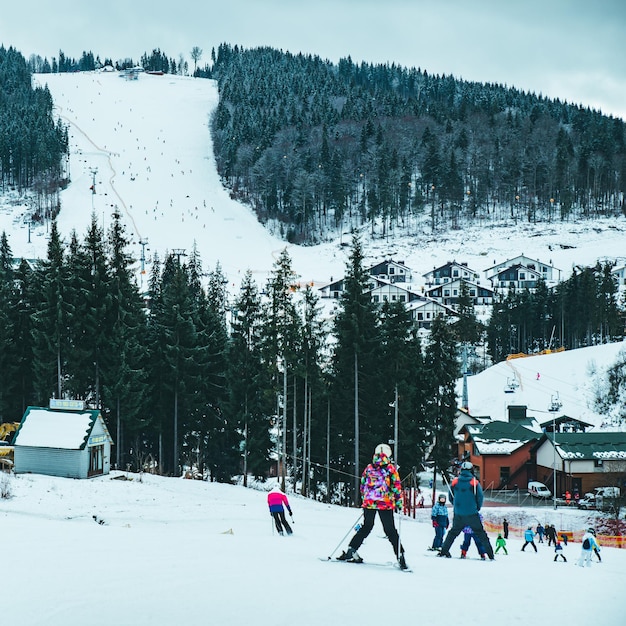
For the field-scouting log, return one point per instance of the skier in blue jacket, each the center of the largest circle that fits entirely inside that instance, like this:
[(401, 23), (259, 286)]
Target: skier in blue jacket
[(529, 538), (440, 520), (466, 495)]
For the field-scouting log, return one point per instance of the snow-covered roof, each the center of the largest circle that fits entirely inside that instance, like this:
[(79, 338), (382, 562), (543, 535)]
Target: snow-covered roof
[(498, 437), (600, 445), (66, 430)]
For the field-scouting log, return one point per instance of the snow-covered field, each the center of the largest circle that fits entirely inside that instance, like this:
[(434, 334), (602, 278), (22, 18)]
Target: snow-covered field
[(175, 551)]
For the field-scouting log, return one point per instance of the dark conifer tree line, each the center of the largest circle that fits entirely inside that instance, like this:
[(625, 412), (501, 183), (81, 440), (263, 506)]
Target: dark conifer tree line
[(317, 146), (32, 144)]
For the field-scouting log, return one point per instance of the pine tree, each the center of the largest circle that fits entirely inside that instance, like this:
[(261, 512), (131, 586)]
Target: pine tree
[(50, 322), (442, 371), (250, 403), (125, 386), (8, 353), (358, 402)]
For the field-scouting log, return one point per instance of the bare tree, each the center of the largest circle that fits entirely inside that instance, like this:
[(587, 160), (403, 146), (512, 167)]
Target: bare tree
[(196, 55)]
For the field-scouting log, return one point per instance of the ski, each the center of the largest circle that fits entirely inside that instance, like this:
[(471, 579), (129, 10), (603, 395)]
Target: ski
[(387, 564)]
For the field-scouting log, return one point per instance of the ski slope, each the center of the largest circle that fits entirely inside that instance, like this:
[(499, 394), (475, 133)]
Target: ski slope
[(175, 551)]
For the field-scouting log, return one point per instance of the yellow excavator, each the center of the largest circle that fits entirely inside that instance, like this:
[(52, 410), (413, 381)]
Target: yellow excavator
[(6, 450)]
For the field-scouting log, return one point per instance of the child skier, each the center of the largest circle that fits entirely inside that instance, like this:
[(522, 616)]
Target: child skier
[(501, 543), (529, 537), (467, 541), (275, 500), (558, 552), (589, 544), (440, 520)]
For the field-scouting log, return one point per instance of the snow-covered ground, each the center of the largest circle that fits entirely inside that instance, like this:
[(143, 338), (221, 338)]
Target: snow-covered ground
[(175, 551)]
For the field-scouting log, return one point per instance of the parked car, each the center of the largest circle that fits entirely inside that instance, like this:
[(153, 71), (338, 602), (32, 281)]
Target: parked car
[(538, 490), (587, 503)]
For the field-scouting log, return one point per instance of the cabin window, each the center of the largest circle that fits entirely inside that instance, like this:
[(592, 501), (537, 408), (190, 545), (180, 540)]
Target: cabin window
[(505, 474)]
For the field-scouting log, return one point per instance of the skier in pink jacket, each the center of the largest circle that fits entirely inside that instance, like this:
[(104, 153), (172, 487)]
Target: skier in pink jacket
[(275, 500)]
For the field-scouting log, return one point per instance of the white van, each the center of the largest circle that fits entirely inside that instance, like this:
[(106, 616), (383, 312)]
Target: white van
[(538, 490), (607, 492)]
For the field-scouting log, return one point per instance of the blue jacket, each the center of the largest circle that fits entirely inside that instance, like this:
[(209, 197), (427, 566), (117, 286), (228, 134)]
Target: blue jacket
[(529, 535), (439, 514), (466, 494)]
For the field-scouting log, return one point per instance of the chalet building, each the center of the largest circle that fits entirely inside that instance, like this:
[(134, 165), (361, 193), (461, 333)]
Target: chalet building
[(448, 293), (393, 271), (424, 310), (564, 424), (501, 452), (382, 290), (620, 276), (583, 460), (64, 440), (546, 271), (451, 272), (517, 277), (332, 290)]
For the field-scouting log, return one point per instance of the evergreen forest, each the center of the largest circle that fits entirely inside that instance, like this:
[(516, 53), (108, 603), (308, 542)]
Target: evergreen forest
[(32, 144), (189, 376), (318, 147)]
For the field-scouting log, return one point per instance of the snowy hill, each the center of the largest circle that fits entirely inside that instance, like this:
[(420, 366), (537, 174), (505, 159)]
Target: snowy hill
[(147, 145), (572, 377), (174, 551)]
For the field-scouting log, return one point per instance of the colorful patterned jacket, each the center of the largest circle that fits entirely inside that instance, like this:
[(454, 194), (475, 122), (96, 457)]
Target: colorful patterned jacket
[(380, 485)]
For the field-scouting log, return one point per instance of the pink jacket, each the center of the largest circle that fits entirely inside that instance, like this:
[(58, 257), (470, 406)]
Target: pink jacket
[(276, 499)]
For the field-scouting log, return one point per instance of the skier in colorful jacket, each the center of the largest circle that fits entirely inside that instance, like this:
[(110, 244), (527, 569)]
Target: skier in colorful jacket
[(466, 495), (381, 491), (440, 521), (275, 500)]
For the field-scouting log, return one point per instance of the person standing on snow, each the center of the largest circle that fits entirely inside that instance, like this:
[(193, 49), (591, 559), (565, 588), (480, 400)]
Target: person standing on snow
[(440, 520), (505, 528), (589, 545), (381, 491), (529, 538), (466, 494), (275, 500), (467, 542), (540, 532), (558, 552), (501, 543)]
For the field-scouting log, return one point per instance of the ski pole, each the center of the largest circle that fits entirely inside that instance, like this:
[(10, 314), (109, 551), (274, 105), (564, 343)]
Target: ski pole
[(344, 537)]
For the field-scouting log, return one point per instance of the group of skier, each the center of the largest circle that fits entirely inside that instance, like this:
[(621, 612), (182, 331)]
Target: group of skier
[(381, 492)]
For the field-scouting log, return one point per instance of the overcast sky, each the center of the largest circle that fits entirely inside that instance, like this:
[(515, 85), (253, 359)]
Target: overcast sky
[(571, 49)]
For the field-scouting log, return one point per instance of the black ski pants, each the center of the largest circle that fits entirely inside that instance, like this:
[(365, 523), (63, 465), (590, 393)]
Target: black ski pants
[(386, 519), (281, 522), (458, 524)]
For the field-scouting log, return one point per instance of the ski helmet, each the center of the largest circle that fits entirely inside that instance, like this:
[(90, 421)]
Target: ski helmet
[(591, 531), (467, 465), (383, 448), (276, 487), (442, 496)]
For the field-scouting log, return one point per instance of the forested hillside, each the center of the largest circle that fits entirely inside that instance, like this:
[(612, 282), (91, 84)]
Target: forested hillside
[(32, 145), (319, 146)]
